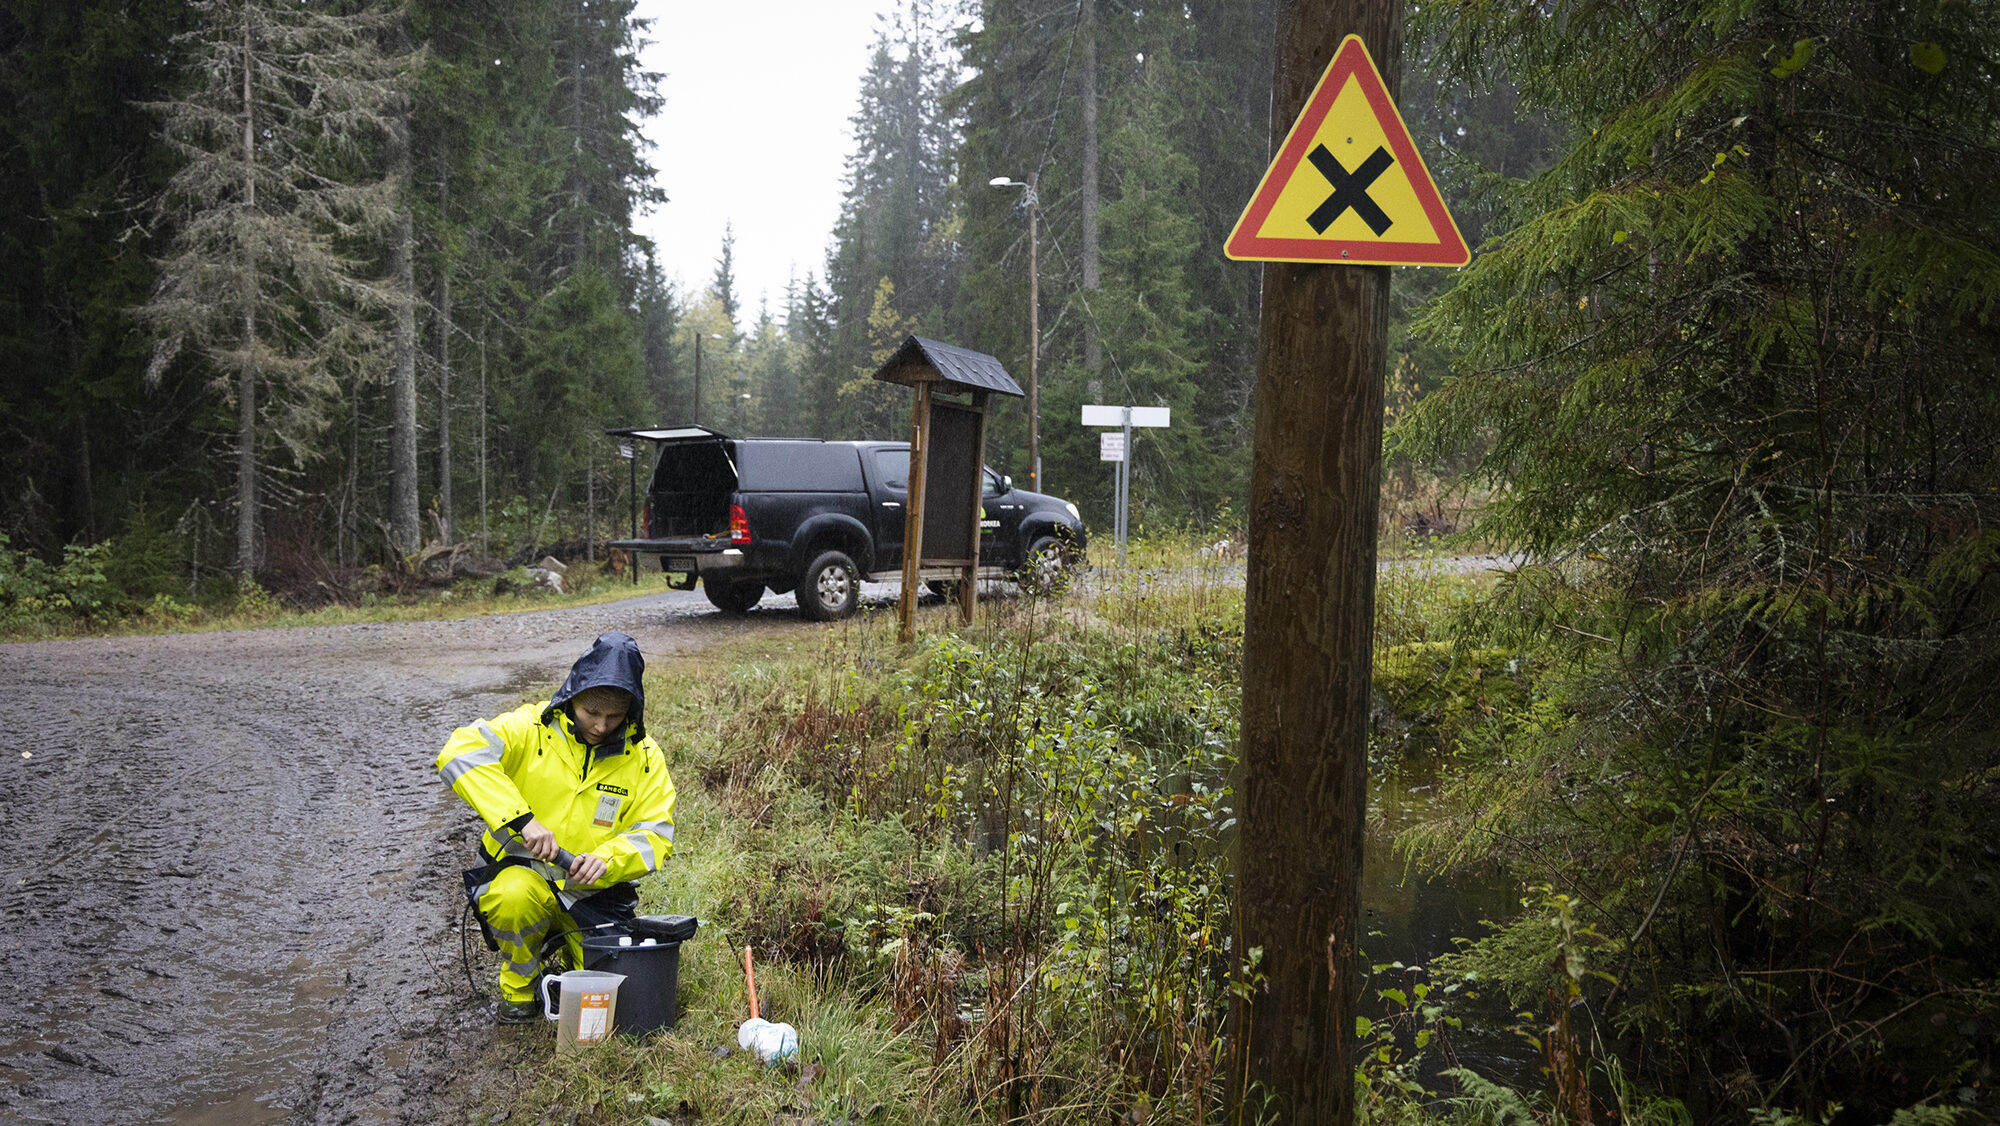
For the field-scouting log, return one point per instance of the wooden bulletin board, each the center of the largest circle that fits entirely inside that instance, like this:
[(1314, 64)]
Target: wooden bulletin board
[(952, 486)]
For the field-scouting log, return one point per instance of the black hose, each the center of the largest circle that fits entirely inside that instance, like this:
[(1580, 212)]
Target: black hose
[(465, 948)]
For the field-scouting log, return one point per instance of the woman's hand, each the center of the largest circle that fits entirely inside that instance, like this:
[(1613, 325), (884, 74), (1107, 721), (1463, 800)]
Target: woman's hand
[(587, 870), (540, 839)]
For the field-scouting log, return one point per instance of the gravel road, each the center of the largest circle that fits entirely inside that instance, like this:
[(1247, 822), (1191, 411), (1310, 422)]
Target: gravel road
[(231, 888)]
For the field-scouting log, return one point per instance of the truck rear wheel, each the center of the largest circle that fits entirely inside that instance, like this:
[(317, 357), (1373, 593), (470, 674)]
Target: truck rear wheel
[(732, 597), (830, 587)]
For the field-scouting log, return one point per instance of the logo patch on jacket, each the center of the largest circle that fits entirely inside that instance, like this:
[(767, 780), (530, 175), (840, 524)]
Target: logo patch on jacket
[(607, 811), (608, 788)]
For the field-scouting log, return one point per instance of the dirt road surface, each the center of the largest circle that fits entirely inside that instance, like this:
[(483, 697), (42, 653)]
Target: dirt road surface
[(231, 884)]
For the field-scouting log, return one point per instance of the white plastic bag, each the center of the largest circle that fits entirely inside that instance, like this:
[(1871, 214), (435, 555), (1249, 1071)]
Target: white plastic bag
[(772, 1043)]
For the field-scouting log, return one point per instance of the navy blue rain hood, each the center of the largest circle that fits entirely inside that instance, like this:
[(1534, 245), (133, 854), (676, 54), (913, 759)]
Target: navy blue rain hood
[(612, 661)]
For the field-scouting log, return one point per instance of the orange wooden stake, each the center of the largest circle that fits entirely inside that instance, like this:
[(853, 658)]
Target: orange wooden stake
[(750, 982)]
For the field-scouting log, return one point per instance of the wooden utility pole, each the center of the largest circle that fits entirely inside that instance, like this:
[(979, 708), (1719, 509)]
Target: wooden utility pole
[(1034, 340), (1308, 629), (1086, 75)]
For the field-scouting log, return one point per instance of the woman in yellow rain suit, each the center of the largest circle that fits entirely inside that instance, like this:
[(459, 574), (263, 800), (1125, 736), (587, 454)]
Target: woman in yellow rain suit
[(576, 772)]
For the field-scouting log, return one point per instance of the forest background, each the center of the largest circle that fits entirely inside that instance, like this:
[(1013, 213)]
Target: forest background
[(407, 312)]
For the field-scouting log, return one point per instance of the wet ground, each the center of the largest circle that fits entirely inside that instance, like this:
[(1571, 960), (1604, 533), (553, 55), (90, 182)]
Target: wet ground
[(230, 890)]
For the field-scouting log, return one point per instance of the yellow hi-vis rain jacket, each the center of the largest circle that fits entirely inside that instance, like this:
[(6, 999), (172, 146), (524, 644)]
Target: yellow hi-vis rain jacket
[(616, 800)]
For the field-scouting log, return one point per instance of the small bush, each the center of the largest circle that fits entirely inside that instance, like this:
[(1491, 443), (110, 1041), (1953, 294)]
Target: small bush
[(33, 592)]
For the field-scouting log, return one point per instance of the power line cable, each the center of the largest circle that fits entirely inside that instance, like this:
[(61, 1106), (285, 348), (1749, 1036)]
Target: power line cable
[(1062, 80)]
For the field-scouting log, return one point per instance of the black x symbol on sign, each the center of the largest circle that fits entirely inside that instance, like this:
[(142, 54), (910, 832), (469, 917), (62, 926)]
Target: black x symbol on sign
[(1349, 189)]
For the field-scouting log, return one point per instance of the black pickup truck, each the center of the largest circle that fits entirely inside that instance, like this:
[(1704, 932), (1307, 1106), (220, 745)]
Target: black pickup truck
[(744, 515)]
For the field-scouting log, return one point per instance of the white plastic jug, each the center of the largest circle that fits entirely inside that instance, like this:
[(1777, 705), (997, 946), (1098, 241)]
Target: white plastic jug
[(589, 998)]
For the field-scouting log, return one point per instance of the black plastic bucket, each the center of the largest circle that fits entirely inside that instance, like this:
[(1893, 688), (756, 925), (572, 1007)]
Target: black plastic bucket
[(646, 999)]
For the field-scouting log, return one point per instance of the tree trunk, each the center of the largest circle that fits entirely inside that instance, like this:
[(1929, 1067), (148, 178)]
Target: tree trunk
[(577, 224), (350, 505), (404, 513), (485, 538), (247, 495), (247, 498), (87, 495), (1093, 353), (442, 322), (1308, 625)]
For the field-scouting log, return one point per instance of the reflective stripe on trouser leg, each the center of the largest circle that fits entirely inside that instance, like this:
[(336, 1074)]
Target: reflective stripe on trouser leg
[(522, 910)]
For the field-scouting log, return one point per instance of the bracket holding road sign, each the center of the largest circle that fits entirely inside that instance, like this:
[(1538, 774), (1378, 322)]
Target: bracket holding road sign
[(1347, 186)]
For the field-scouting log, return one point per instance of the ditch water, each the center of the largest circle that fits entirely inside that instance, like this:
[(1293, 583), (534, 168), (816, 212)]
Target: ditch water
[(1409, 919)]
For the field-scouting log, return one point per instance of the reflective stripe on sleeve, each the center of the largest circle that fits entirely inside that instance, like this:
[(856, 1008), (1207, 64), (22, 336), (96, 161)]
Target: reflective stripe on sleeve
[(665, 829), (488, 755), (645, 846)]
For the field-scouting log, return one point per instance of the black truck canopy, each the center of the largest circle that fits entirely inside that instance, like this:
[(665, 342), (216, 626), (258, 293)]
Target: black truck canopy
[(698, 459)]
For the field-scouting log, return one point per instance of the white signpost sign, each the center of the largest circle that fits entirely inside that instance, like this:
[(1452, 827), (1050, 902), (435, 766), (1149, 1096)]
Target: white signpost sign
[(1124, 418), (1115, 416)]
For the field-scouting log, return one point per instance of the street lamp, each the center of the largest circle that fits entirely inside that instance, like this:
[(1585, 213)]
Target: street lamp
[(697, 371), (742, 407), (1029, 200)]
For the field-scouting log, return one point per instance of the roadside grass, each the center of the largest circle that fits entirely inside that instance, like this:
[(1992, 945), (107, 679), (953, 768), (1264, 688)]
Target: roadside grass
[(251, 607), (984, 874)]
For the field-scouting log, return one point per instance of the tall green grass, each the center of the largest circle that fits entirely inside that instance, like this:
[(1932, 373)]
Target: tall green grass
[(986, 874)]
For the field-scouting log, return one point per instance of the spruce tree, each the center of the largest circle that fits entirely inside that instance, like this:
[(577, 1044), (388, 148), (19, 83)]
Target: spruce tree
[(724, 285), (892, 242), (274, 191), (809, 328), (660, 316), (1733, 367), (1140, 116), (85, 447)]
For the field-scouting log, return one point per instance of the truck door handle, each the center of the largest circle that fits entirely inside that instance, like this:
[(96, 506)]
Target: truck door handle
[(892, 504)]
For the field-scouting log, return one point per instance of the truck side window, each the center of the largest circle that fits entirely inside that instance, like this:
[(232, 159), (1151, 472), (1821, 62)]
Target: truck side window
[(893, 466), (992, 487)]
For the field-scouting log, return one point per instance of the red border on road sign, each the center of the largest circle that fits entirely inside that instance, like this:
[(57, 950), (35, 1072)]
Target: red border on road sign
[(1244, 244)]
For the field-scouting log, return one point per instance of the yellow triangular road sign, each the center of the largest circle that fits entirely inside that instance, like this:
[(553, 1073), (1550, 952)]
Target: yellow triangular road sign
[(1347, 186)]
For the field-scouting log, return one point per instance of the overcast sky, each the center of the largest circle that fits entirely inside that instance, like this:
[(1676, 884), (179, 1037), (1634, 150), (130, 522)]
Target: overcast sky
[(754, 132)]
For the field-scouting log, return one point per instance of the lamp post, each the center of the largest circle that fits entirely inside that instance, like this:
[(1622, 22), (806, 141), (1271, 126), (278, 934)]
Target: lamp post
[(697, 371), (1029, 200)]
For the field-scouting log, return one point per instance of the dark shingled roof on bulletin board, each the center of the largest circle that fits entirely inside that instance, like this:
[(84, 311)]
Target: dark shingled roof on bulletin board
[(915, 361)]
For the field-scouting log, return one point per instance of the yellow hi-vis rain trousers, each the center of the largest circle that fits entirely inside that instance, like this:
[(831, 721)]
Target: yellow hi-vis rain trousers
[(521, 911)]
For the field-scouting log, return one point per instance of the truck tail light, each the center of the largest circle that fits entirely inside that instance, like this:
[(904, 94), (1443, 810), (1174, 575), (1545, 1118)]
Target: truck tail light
[(647, 517), (739, 527)]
